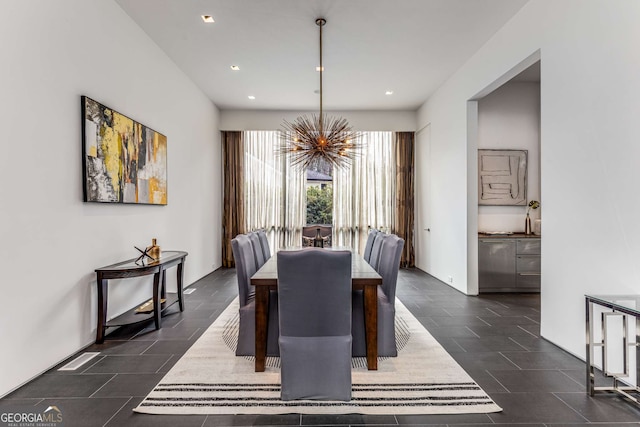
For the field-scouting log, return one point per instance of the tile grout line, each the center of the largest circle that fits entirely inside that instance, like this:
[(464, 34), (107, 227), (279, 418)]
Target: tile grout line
[(533, 320), (471, 330), (482, 320), (103, 385), (150, 345), (166, 361), (498, 381), (510, 361), (93, 364), (533, 335), (118, 411), (570, 407), (517, 343)]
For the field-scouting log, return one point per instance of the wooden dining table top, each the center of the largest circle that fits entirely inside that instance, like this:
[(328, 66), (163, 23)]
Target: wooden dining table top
[(361, 272)]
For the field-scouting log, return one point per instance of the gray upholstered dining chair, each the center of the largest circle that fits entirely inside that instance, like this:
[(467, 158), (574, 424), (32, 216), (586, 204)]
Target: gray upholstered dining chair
[(264, 241), (375, 249), (257, 249), (245, 268), (314, 293), (388, 266), (369, 245)]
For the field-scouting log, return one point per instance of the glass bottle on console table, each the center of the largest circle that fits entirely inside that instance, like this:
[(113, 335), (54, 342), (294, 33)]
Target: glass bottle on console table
[(154, 250), (318, 242)]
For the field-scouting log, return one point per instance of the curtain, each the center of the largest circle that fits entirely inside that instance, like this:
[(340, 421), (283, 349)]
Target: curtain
[(274, 193), (233, 209), (295, 211), (364, 194), (403, 224)]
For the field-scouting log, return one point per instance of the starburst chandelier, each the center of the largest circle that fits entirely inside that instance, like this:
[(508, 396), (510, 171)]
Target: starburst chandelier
[(320, 137)]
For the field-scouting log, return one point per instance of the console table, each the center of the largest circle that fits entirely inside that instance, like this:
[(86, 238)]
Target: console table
[(623, 306), (128, 269)]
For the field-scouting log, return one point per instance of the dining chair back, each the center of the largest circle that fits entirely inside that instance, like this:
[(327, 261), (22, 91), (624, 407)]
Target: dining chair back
[(257, 249), (369, 245), (375, 249), (314, 300), (388, 266), (245, 261), (245, 266), (264, 241)]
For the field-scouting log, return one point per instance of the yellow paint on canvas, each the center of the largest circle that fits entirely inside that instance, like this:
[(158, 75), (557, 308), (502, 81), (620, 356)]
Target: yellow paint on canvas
[(111, 149), (157, 186), (121, 124), (159, 147), (93, 151)]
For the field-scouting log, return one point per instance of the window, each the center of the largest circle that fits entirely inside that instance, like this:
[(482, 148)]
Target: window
[(319, 189)]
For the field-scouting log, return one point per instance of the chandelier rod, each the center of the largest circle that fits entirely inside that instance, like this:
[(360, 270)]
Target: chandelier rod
[(320, 22)]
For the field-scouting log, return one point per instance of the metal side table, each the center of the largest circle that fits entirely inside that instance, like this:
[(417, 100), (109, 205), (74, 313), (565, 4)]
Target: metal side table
[(619, 306)]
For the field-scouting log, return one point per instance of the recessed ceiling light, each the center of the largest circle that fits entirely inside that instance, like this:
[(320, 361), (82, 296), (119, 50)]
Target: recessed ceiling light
[(251, 97), (389, 92), (208, 19), (318, 68), (235, 68)]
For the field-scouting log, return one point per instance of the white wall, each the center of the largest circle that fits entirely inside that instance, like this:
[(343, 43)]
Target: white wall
[(396, 121), (589, 152), (52, 53), (509, 119)]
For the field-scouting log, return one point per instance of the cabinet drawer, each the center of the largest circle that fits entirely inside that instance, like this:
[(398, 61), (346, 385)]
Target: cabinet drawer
[(528, 264), (528, 247), (528, 280), (496, 266)]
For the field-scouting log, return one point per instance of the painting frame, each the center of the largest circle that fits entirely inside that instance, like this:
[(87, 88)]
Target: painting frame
[(502, 177), (123, 161)]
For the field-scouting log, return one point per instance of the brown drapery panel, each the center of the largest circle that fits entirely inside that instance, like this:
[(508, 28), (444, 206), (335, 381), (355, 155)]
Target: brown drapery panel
[(404, 146), (233, 209)]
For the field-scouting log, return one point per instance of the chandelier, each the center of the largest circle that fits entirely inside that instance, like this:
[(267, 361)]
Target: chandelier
[(319, 137)]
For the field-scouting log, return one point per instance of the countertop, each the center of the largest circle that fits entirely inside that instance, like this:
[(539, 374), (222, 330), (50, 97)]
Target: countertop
[(508, 236)]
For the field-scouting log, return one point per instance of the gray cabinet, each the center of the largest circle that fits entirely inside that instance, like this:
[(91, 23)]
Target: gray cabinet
[(509, 264)]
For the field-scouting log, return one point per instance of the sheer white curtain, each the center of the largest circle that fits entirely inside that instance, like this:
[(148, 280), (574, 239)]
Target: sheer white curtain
[(274, 193), (363, 195)]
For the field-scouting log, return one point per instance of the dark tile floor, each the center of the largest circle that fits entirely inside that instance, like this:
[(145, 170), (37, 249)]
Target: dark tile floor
[(495, 338)]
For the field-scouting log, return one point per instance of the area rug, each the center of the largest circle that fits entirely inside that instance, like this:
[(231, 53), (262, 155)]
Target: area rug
[(423, 379)]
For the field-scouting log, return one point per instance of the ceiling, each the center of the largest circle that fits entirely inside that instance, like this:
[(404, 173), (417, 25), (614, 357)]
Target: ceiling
[(409, 47)]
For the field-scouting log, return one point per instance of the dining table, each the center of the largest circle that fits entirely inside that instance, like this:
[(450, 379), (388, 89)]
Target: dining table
[(363, 277)]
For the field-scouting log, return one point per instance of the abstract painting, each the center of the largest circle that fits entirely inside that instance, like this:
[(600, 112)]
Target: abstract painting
[(502, 177), (123, 160)]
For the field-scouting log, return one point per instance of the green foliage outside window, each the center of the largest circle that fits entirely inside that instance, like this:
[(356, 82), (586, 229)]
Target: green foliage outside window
[(319, 205)]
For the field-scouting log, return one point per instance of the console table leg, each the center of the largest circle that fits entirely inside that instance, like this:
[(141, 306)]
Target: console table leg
[(158, 278), (163, 289), (102, 309), (180, 274)]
